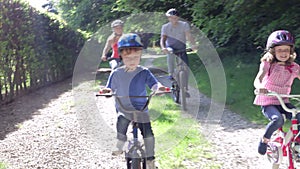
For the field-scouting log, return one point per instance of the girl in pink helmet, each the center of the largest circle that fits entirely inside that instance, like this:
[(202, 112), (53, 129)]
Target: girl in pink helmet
[(276, 73)]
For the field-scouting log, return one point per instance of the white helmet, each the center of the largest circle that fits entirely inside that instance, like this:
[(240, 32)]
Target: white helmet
[(117, 22)]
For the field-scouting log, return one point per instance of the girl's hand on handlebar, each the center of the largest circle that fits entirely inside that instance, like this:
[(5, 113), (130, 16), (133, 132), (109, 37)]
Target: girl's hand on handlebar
[(261, 91)]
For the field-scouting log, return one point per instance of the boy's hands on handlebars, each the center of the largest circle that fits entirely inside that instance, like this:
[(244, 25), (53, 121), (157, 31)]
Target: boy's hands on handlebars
[(160, 89), (107, 92), (163, 89)]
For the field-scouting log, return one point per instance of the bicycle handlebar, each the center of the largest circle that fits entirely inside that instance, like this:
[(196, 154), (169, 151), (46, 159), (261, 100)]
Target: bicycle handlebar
[(280, 99), (171, 50), (158, 92)]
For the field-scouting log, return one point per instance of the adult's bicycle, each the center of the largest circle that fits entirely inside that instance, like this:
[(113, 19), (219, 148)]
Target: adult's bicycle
[(135, 154), (285, 144), (180, 81)]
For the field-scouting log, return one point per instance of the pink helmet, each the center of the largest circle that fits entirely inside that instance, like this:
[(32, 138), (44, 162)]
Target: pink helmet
[(280, 37)]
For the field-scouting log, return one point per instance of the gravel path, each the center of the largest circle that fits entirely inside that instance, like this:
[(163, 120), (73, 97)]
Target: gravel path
[(42, 130)]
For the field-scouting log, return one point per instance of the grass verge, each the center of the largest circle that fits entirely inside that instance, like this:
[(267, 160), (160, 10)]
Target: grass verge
[(3, 165), (239, 79), (178, 141)]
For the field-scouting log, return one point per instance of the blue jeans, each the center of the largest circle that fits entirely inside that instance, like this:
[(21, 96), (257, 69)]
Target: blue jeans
[(146, 131), (274, 114)]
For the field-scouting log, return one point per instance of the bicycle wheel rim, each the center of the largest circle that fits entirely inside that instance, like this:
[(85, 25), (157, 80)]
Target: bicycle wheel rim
[(274, 153)]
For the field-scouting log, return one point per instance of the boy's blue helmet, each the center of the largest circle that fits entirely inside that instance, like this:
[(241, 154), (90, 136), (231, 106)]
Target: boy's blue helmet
[(130, 40)]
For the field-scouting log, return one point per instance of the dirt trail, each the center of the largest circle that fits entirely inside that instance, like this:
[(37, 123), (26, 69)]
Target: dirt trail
[(43, 130)]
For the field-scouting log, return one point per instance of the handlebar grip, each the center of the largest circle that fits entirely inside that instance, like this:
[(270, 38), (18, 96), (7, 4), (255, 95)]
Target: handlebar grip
[(167, 90), (161, 92)]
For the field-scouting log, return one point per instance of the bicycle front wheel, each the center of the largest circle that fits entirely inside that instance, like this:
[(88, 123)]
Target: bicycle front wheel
[(136, 163), (182, 90), (175, 91), (274, 153)]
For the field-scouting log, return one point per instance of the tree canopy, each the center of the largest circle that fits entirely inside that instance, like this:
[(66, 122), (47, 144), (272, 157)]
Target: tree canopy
[(233, 24)]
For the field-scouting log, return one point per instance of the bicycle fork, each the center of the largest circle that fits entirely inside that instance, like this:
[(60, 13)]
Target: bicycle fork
[(291, 152)]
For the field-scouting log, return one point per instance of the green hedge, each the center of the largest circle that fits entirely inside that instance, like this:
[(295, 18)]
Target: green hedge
[(35, 49)]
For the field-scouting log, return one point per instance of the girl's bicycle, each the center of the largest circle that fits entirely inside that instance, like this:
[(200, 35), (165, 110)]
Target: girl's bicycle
[(180, 83), (135, 154), (285, 144)]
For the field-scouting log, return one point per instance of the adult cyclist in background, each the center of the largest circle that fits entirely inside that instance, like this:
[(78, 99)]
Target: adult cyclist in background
[(112, 43), (175, 34)]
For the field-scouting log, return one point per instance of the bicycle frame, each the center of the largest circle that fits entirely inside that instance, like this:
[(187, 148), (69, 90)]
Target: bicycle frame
[(283, 145), (135, 155), (179, 85)]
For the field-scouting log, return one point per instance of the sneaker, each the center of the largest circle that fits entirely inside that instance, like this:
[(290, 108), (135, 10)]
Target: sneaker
[(150, 164), (119, 148), (262, 148), (116, 152)]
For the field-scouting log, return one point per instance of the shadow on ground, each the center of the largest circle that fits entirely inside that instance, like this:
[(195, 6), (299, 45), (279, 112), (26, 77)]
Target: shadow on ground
[(12, 115)]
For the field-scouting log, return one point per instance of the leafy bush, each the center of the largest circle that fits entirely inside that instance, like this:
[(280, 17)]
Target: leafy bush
[(35, 49)]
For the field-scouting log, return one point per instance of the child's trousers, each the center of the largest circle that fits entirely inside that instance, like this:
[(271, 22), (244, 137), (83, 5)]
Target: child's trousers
[(146, 131), (274, 114)]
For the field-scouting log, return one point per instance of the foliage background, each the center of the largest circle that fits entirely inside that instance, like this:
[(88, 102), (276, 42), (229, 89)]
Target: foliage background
[(39, 48), (35, 49), (233, 26)]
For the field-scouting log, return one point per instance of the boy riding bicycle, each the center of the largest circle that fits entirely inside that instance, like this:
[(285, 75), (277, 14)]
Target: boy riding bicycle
[(132, 80)]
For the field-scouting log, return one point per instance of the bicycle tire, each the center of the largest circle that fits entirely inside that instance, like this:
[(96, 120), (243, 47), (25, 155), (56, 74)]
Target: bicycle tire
[(136, 163), (182, 90), (128, 163), (274, 153), (144, 163), (175, 91), (275, 166)]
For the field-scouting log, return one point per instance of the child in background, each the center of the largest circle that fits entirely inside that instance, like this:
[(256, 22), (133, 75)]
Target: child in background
[(132, 80), (112, 43), (276, 73)]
